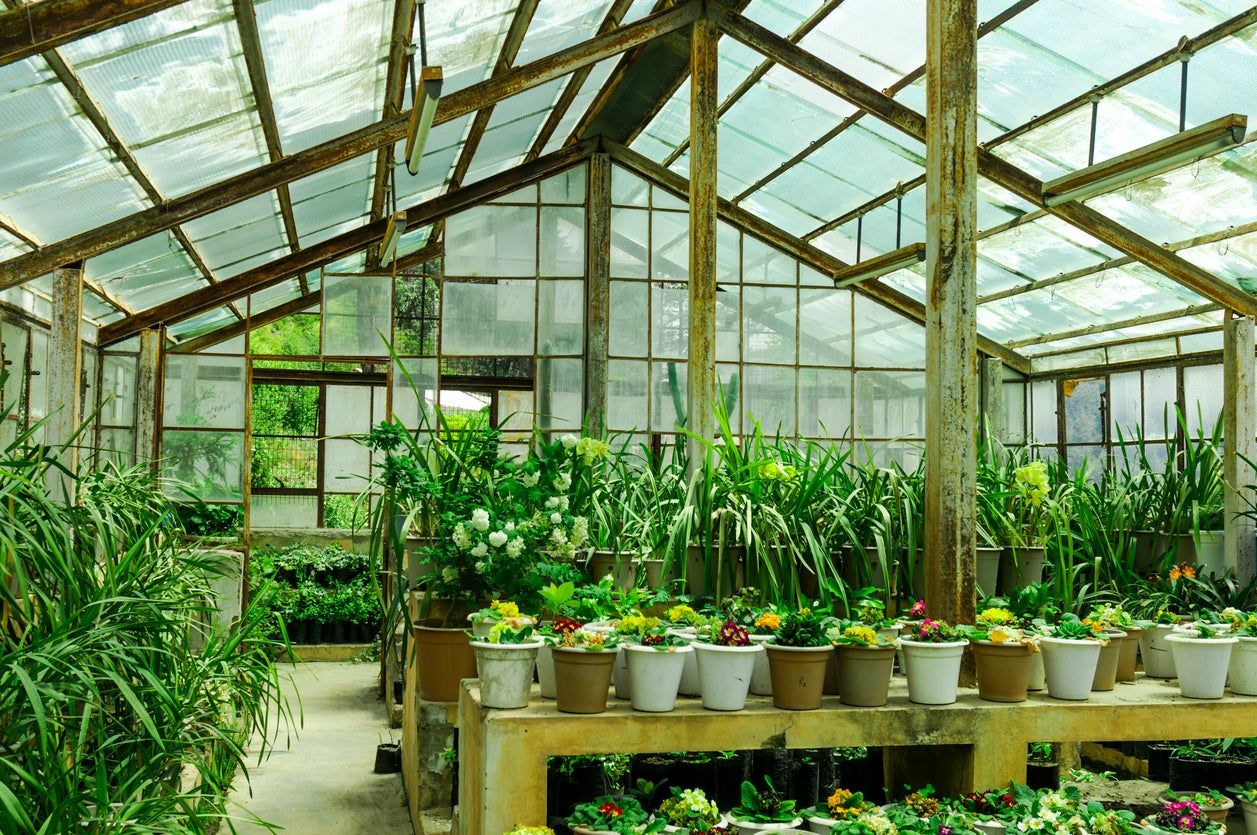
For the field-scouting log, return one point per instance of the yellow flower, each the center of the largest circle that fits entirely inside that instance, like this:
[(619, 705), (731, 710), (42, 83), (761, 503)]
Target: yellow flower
[(505, 608), (841, 805), (768, 621), (995, 616), (1175, 574), (682, 614), (636, 625), (1002, 635), (860, 632)]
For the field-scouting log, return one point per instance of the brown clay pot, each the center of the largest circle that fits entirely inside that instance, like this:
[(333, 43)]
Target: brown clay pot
[(582, 679), (1128, 657), (1106, 668), (1003, 671), (865, 675), (798, 675), (831, 677), (444, 658)]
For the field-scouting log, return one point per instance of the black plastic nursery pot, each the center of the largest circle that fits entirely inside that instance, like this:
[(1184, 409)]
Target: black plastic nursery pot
[(1159, 754), (730, 772), (1043, 775), (388, 758), (1194, 774), (865, 775), (582, 782)]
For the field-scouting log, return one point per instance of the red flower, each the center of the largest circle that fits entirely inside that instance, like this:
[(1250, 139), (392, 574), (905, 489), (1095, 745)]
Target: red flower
[(610, 810), (732, 635), (652, 640), (565, 626), (918, 609)]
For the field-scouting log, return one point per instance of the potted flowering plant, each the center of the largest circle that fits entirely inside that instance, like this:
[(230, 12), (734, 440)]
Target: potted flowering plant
[(762, 628), (612, 815), (726, 662), (763, 811), (1105, 676), (1115, 617), (1212, 802), (866, 659), (690, 812), (505, 660), (1157, 655), (684, 621), (1071, 650), (1201, 658), (630, 628), (655, 662), (1030, 513), (841, 805), (582, 669), (1181, 816), (932, 654), (797, 657), (1243, 673), (555, 629), (496, 612), (1001, 652)]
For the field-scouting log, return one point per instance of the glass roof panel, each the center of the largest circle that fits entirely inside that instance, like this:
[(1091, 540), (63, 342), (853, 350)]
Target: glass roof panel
[(326, 61), (202, 324), (334, 200), (273, 296), (512, 129), (1168, 327), (670, 127), (147, 272), (1043, 248), (232, 240), (11, 247), (877, 41), (439, 155), (212, 152), (1233, 260), (593, 84), (465, 38), (558, 24), (781, 16)]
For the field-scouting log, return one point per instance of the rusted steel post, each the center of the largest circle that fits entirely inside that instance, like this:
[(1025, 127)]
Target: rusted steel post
[(65, 371), (995, 422), (951, 379), (704, 102), (597, 290), (1240, 450), (148, 391)]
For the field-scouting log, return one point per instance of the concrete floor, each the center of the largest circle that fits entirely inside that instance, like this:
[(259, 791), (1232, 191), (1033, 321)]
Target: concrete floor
[(322, 783)]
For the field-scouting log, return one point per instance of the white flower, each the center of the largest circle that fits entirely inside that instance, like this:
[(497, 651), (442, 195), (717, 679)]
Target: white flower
[(480, 519), (569, 441), (557, 536), (552, 502), (515, 547), (449, 575), (564, 503), (563, 482), (556, 518), (461, 538), (531, 479), (480, 550), (497, 539), (480, 566), (580, 531), (510, 526)]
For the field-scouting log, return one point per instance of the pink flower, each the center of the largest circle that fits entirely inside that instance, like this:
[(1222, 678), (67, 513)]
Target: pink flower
[(918, 609)]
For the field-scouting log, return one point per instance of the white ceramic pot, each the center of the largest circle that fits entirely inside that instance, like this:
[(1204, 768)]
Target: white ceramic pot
[(1037, 679), (748, 828), (933, 670), (725, 674), (505, 673), (1243, 669), (691, 684), (1250, 815), (1158, 660), (1069, 667), (655, 675), (1202, 664), (820, 824), (989, 827), (620, 674), (1210, 553), (545, 670), (761, 676), (580, 830)]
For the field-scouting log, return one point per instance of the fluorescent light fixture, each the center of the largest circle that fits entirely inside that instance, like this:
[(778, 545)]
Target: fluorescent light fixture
[(880, 265), (392, 234), (421, 116), (1140, 164)]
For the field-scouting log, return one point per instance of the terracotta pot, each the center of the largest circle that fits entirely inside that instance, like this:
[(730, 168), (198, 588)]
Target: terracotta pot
[(582, 679), (621, 566), (1128, 658), (833, 684), (1003, 670), (865, 675), (1020, 567), (798, 675), (444, 658), (1106, 668)]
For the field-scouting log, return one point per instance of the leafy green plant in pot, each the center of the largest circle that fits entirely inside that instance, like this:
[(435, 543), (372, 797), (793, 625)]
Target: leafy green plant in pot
[(1043, 771), (866, 659), (505, 659), (1202, 764), (1002, 651), (1246, 794), (1031, 514), (655, 663), (932, 652), (797, 657), (613, 815), (1212, 802), (690, 812), (1071, 650), (1182, 816), (763, 810)]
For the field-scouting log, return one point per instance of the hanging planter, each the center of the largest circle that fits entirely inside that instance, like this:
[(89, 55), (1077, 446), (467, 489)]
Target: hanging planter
[(655, 668), (1201, 659)]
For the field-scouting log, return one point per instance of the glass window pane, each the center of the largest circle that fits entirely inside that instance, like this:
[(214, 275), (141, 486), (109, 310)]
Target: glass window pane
[(889, 404), (414, 389), (669, 246), (627, 386), (761, 264), (284, 511), (825, 327), (824, 402), (885, 339), (630, 242), (728, 335), (560, 393), (346, 466), (347, 410), (566, 189), (1084, 411), (1125, 405), (769, 398), (1202, 395), (482, 318), (492, 240), (204, 391), (561, 324), (117, 389), (668, 386), (210, 464), (1043, 429), (669, 318), (1160, 395), (629, 317), (768, 324), (357, 316), (562, 241)]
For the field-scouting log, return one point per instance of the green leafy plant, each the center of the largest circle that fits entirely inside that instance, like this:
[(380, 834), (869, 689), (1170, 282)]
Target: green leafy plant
[(623, 815), (766, 806), (803, 628)]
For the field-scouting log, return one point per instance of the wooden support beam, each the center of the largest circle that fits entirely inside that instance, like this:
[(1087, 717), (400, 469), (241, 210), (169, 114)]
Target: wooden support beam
[(799, 249), (255, 320), (703, 201), (312, 160), (344, 244), (148, 395), (47, 24), (394, 98), (997, 169), (65, 371), (597, 291), (1239, 384), (994, 420), (951, 374)]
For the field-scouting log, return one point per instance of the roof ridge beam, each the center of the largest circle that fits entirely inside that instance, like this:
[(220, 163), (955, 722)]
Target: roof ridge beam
[(39, 27)]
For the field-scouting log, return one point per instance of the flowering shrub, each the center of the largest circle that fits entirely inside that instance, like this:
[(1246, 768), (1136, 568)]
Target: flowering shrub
[(511, 631), (661, 639), (728, 634), (691, 809), (1110, 616), (583, 639), (636, 625), (1182, 816), (933, 632), (1182, 571), (917, 610), (844, 804), (872, 822)]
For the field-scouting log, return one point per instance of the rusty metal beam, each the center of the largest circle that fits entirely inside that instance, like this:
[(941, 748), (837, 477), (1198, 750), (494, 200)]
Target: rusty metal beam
[(1129, 340), (996, 169), (96, 290), (1239, 431), (394, 98), (366, 140), (257, 320), (40, 26), (1103, 327), (797, 248), (597, 290), (344, 244), (700, 420)]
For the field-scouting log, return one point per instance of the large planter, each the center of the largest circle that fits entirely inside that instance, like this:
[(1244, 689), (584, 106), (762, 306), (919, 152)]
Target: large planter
[(1210, 552), (726, 674), (622, 567), (1003, 670), (582, 679), (620, 674), (1158, 660), (1128, 658), (1202, 664), (1070, 666), (798, 675), (865, 675), (749, 828), (505, 673), (1243, 671), (1105, 676), (761, 675), (727, 568), (1020, 567), (443, 659), (654, 675), (988, 570), (545, 670), (933, 671)]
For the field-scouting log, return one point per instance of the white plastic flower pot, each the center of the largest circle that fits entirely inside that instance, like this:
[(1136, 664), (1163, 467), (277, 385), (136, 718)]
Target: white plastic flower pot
[(761, 675), (480, 628), (1202, 664), (1069, 667), (933, 670), (1037, 679), (820, 824), (989, 827), (1211, 553), (1243, 669), (1158, 659), (620, 674), (1250, 815), (748, 828), (545, 671), (691, 684), (505, 673), (725, 674), (655, 675)]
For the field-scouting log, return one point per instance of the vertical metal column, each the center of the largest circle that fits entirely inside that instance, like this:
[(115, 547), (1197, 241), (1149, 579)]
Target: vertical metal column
[(1240, 429), (995, 421), (148, 390), (597, 291), (65, 371)]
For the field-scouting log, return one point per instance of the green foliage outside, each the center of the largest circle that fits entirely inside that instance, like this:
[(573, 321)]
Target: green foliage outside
[(318, 585)]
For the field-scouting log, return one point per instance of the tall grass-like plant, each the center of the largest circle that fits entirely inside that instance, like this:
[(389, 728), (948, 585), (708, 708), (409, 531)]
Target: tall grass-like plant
[(123, 706)]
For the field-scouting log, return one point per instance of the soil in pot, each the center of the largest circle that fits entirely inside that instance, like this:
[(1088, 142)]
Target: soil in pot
[(582, 679), (1003, 671), (865, 675), (444, 658), (798, 675), (1105, 676)]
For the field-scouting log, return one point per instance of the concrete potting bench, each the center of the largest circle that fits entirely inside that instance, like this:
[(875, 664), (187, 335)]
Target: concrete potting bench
[(965, 746)]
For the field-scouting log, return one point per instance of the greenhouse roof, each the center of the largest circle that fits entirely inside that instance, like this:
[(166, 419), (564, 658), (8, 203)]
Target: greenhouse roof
[(241, 145)]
